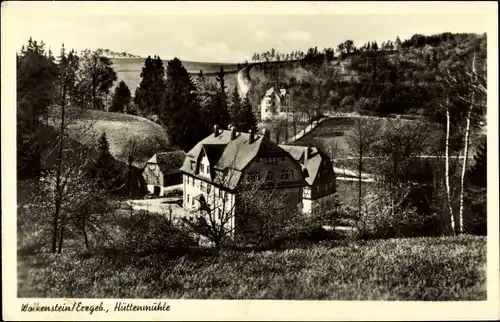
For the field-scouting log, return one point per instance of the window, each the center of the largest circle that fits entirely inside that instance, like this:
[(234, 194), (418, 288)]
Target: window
[(188, 198), (202, 186), (286, 174), (253, 176), (209, 187), (208, 169), (269, 176), (221, 193), (202, 168), (193, 165)]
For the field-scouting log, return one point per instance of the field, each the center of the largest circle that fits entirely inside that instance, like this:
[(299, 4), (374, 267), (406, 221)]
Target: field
[(332, 134), (451, 268), (129, 70), (120, 128)]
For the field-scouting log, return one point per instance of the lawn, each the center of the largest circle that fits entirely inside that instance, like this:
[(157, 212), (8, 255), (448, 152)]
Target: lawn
[(120, 128), (451, 268), (332, 133)]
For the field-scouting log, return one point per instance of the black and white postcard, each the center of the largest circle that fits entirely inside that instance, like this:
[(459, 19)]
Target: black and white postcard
[(250, 160)]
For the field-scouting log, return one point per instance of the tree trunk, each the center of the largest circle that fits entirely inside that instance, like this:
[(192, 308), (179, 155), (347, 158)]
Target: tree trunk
[(85, 237), (464, 166), (58, 198), (466, 147), (55, 230), (447, 168), (129, 177), (61, 235), (360, 164), (94, 81)]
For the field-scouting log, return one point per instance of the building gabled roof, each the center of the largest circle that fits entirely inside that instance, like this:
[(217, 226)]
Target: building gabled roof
[(312, 162), (280, 94), (229, 157), (169, 162)]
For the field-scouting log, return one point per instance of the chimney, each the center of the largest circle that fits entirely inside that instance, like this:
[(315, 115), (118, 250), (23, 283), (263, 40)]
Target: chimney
[(266, 134), (233, 132), (216, 130), (251, 136)]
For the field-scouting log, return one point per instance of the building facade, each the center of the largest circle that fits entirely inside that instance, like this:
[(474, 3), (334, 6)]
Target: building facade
[(321, 188), (226, 165), (275, 103), (163, 170)]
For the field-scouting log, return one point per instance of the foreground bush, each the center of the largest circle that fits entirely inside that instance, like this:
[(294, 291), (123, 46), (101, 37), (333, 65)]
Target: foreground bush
[(404, 269), (147, 232)]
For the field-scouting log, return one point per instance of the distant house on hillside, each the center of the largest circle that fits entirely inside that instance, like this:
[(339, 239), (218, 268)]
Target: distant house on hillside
[(321, 176), (163, 170), (275, 103), (226, 162)]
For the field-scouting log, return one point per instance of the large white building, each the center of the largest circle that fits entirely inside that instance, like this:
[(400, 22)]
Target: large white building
[(223, 165), (275, 104)]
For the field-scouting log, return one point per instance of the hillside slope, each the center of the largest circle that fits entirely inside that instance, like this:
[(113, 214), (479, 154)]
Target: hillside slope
[(121, 130), (129, 70), (385, 81)]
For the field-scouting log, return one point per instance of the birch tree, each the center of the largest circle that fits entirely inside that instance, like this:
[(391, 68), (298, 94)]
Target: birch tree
[(470, 89)]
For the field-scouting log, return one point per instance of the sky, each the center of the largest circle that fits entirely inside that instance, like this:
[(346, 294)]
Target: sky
[(221, 32)]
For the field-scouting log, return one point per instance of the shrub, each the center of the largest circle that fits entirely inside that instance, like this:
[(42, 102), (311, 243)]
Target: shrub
[(381, 220), (148, 232), (347, 103), (173, 193)]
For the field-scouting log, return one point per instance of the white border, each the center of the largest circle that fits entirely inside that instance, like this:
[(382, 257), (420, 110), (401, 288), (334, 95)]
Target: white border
[(249, 310)]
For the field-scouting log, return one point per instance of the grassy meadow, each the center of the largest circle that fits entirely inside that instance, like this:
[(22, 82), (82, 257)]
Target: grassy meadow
[(429, 269), (120, 129)]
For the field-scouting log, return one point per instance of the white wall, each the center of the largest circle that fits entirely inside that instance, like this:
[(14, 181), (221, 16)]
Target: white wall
[(212, 197)]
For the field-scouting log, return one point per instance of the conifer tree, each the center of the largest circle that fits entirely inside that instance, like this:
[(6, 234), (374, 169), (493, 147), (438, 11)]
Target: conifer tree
[(181, 112), (216, 111), (104, 170), (235, 106), (148, 97), (121, 98), (397, 43), (36, 77), (246, 118)]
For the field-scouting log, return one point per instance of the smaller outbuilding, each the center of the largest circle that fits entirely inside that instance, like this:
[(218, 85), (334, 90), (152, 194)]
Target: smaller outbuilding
[(163, 170)]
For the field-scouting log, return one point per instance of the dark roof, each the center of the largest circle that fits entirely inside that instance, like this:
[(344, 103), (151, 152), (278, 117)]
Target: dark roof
[(230, 157), (312, 163), (169, 162)]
